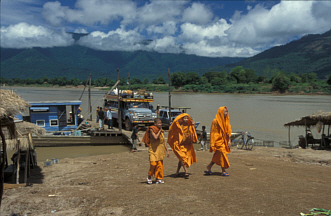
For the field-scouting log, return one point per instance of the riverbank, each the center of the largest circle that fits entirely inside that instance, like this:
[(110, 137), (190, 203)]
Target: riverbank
[(265, 181), (233, 89)]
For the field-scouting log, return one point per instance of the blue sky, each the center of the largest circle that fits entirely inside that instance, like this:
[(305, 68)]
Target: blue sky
[(203, 28)]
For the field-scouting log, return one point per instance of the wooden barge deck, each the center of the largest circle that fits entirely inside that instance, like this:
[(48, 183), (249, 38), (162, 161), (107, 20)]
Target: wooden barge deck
[(96, 138)]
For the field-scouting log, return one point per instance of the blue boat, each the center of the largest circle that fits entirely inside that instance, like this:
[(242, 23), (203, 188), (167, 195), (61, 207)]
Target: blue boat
[(54, 115)]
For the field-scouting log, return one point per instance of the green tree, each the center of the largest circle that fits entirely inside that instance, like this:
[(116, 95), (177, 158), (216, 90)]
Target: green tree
[(250, 76), (235, 72), (280, 82), (154, 81), (329, 80), (217, 81), (295, 78), (178, 79), (146, 81), (304, 77), (39, 81), (241, 77), (135, 81), (161, 80), (192, 78), (312, 77)]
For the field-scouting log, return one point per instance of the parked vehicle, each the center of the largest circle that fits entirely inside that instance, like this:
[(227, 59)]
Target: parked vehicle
[(164, 116), (135, 109)]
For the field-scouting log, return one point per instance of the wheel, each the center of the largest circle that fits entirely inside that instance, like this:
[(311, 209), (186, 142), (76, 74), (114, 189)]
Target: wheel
[(240, 144), (250, 144), (128, 125)]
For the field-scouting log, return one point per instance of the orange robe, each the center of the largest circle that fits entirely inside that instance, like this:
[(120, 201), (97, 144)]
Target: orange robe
[(181, 140), (220, 134), (156, 152)]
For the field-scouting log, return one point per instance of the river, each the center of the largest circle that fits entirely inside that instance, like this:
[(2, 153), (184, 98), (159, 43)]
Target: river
[(262, 115)]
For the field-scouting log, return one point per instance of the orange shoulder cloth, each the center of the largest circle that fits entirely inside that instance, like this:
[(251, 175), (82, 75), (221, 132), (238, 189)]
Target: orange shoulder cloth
[(146, 138)]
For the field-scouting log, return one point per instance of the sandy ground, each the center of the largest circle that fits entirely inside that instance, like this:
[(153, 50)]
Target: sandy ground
[(265, 181)]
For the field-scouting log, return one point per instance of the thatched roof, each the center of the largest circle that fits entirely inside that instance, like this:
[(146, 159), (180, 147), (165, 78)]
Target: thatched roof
[(23, 128), (11, 104), (311, 120)]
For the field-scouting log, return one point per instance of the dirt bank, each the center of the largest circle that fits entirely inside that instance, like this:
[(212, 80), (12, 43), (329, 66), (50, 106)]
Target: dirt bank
[(265, 181)]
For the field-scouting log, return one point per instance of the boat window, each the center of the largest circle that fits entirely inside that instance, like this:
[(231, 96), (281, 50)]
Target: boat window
[(40, 123), (54, 122)]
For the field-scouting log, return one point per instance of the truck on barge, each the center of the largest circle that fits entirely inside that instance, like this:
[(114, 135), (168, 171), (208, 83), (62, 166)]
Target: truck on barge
[(135, 108)]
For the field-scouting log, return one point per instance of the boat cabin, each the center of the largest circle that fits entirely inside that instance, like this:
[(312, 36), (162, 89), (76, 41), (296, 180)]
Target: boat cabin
[(59, 115)]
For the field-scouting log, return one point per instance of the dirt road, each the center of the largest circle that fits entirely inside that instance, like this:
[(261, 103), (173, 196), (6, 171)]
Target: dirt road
[(265, 181)]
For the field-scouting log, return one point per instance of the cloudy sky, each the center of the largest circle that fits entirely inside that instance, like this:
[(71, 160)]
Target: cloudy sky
[(204, 28)]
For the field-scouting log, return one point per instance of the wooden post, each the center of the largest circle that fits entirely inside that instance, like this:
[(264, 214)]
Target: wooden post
[(89, 99), (169, 83), (27, 165), (306, 133), (119, 113), (129, 81), (18, 162), (4, 158)]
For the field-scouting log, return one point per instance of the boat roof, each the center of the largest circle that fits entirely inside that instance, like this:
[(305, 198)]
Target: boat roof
[(55, 102), (176, 107)]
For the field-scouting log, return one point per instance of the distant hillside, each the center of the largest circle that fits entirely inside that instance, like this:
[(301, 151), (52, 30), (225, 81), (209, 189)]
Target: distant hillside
[(311, 53), (78, 62)]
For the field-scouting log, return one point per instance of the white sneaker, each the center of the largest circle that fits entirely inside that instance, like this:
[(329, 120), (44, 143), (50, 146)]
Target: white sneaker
[(160, 181), (149, 181)]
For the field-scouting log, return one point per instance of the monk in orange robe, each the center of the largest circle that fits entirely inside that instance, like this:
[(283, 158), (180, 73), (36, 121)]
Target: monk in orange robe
[(154, 139), (181, 136), (220, 141)]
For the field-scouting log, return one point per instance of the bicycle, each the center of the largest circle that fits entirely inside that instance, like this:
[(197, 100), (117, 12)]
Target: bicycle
[(249, 143)]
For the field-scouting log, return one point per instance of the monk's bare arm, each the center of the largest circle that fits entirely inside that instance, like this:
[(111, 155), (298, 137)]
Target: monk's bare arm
[(156, 136), (166, 148)]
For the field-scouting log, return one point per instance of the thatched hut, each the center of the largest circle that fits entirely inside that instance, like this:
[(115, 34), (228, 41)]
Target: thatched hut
[(319, 119), (14, 134)]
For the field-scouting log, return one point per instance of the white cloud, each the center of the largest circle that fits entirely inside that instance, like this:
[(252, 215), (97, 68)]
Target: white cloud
[(23, 35), (167, 28), (198, 14), (202, 48), (197, 33), (158, 12), (174, 26), (80, 30), (118, 40), (90, 12), (262, 28), (165, 45)]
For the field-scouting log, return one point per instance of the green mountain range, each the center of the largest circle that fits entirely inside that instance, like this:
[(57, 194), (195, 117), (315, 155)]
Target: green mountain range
[(311, 53), (79, 61)]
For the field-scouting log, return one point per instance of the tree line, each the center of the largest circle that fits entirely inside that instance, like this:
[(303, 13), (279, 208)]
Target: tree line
[(239, 80)]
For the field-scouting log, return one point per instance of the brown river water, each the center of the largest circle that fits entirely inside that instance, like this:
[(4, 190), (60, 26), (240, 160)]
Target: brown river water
[(262, 115)]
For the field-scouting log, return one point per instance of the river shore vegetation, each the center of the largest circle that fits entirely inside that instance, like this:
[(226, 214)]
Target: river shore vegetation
[(239, 80)]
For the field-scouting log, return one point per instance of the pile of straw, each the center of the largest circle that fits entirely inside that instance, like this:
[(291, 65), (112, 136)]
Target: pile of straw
[(11, 104)]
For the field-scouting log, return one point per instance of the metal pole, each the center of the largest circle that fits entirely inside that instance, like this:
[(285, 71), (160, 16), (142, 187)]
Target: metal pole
[(129, 81), (119, 102), (89, 99), (169, 82)]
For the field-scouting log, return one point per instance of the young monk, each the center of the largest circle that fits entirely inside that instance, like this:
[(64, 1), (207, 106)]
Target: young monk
[(154, 139), (220, 141), (181, 136)]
